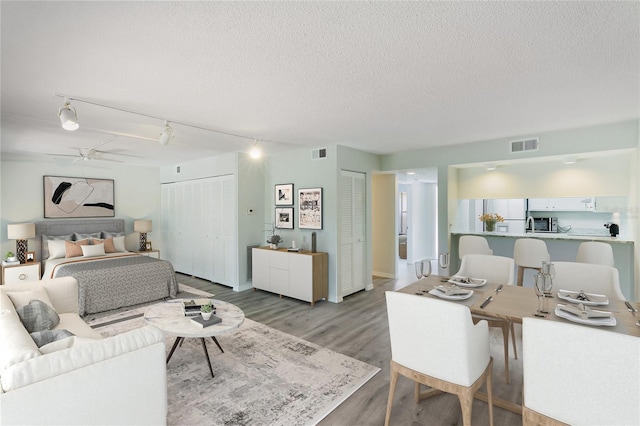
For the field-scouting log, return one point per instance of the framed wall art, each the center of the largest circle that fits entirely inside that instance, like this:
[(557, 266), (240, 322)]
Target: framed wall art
[(310, 208), (78, 197), (284, 194), (284, 218)]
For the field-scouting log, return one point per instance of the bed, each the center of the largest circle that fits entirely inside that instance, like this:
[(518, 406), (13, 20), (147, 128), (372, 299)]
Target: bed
[(109, 276)]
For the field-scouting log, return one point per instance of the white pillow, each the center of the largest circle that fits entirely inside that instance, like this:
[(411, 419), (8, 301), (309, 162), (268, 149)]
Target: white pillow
[(118, 243), (21, 298), (57, 249), (93, 250)]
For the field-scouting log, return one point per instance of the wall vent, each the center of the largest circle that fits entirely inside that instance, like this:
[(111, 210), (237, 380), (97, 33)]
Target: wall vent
[(524, 145), (319, 154)]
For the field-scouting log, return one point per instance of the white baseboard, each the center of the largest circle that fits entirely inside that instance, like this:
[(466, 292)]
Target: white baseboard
[(384, 275)]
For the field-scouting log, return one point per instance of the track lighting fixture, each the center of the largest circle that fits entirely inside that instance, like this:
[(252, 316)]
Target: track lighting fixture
[(69, 120), (68, 116), (166, 134)]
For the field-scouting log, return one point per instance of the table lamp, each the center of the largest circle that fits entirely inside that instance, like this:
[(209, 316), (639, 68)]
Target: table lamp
[(21, 232), (142, 226)]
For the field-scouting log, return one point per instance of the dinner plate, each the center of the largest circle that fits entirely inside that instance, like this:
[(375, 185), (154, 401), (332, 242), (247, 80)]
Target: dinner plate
[(473, 282), (611, 321), (442, 295), (570, 296)]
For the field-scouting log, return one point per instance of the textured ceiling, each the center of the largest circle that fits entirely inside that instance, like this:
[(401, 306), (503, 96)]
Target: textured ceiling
[(376, 76)]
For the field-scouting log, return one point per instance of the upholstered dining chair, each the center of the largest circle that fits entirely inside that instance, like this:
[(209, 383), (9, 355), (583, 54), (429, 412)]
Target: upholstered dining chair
[(436, 343), (496, 270), (473, 244), (529, 253), (579, 375), (595, 252), (591, 278)]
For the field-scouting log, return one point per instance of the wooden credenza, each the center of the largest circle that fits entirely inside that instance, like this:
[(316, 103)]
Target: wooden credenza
[(301, 275)]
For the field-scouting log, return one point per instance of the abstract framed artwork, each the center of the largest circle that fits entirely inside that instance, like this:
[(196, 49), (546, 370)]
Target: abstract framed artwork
[(310, 208), (78, 197), (284, 194), (284, 218)]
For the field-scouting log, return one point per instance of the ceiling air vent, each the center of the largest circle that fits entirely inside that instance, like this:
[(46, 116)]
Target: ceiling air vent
[(524, 145), (319, 154)]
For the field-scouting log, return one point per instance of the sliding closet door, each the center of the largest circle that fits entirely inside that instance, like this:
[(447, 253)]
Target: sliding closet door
[(352, 231)]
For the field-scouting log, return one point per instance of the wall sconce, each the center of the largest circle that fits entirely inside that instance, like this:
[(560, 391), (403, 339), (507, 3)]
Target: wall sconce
[(21, 232), (142, 226)]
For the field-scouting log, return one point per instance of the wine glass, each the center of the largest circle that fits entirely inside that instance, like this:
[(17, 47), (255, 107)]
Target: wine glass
[(539, 289), (548, 285), (548, 268), (426, 271), (443, 261), (418, 266)]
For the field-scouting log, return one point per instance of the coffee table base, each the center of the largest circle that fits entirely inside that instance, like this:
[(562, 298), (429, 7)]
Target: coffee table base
[(204, 346)]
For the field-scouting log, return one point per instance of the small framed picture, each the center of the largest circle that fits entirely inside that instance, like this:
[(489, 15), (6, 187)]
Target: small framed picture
[(30, 256), (284, 194), (284, 218), (310, 208), (148, 246)]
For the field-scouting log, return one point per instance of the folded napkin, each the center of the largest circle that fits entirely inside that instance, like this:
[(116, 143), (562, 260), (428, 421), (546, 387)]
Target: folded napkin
[(581, 295), (584, 312), (452, 290), (466, 280)]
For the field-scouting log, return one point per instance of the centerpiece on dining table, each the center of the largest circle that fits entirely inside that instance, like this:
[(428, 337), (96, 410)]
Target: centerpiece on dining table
[(490, 220)]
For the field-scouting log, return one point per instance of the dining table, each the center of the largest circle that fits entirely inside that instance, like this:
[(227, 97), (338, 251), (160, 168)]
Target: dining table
[(513, 303)]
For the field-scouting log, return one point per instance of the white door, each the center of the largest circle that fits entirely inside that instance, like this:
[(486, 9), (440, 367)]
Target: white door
[(352, 232)]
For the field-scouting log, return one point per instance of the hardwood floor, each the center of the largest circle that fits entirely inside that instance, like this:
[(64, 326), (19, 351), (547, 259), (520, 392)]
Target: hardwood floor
[(358, 327)]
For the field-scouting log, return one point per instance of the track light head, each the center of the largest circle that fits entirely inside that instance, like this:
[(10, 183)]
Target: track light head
[(255, 151), (166, 134), (68, 117)]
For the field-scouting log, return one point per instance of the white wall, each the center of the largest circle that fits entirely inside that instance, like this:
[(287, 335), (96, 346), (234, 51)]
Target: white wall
[(136, 191), (422, 232)]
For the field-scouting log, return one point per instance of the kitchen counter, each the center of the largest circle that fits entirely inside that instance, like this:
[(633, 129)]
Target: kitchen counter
[(551, 236), (562, 247)]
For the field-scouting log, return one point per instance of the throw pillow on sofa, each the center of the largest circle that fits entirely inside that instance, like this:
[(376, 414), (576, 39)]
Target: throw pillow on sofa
[(21, 298), (37, 316), (47, 336)]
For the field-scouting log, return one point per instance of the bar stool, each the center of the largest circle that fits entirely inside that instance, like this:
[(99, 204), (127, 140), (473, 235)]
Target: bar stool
[(529, 253), (595, 252), (473, 244)]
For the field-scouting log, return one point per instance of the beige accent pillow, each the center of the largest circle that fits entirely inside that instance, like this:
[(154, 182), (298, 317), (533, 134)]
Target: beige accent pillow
[(73, 248), (119, 244), (109, 247), (21, 298), (57, 249)]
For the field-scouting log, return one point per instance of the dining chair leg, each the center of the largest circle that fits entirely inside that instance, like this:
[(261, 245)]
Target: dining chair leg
[(466, 405), (513, 340), (505, 339), (392, 391), (489, 385)]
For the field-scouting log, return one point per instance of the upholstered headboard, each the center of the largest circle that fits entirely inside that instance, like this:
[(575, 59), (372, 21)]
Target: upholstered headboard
[(83, 226)]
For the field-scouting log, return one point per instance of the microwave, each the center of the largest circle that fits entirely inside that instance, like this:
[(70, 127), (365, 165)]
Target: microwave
[(543, 224)]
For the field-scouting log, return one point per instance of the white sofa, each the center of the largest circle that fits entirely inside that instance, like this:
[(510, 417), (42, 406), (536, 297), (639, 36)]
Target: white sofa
[(81, 380)]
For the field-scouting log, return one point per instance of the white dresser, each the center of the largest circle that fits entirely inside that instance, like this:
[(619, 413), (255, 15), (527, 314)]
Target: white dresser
[(301, 275)]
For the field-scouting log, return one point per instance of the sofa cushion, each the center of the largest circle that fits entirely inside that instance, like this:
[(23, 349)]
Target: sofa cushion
[(21, 298), (17, 345), (47, 336), (37, 316), (59, 345), (77, 326)]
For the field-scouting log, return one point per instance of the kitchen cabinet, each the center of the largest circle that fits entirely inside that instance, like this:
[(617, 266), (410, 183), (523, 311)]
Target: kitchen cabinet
[(300, 275), (566, 204), (611, 204)]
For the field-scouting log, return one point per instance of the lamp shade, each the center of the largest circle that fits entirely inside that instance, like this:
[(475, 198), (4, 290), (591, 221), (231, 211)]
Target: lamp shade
[(142, 225), (22, 231)]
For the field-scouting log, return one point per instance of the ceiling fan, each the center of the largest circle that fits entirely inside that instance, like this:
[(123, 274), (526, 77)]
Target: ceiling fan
[(87, 154)]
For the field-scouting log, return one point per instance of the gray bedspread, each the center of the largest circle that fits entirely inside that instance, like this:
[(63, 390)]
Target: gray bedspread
[(124, 281)]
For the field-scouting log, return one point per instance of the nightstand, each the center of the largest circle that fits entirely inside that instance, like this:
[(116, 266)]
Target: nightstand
[(150, 253), (24, 272)]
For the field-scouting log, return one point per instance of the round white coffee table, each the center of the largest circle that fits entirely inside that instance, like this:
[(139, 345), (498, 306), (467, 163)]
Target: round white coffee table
[(169, 318)]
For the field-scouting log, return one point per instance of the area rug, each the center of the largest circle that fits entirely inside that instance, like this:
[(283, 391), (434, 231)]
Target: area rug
[(264, 377)]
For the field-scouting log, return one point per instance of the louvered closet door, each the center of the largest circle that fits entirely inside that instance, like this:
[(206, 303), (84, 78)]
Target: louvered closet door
[(352, 231)]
